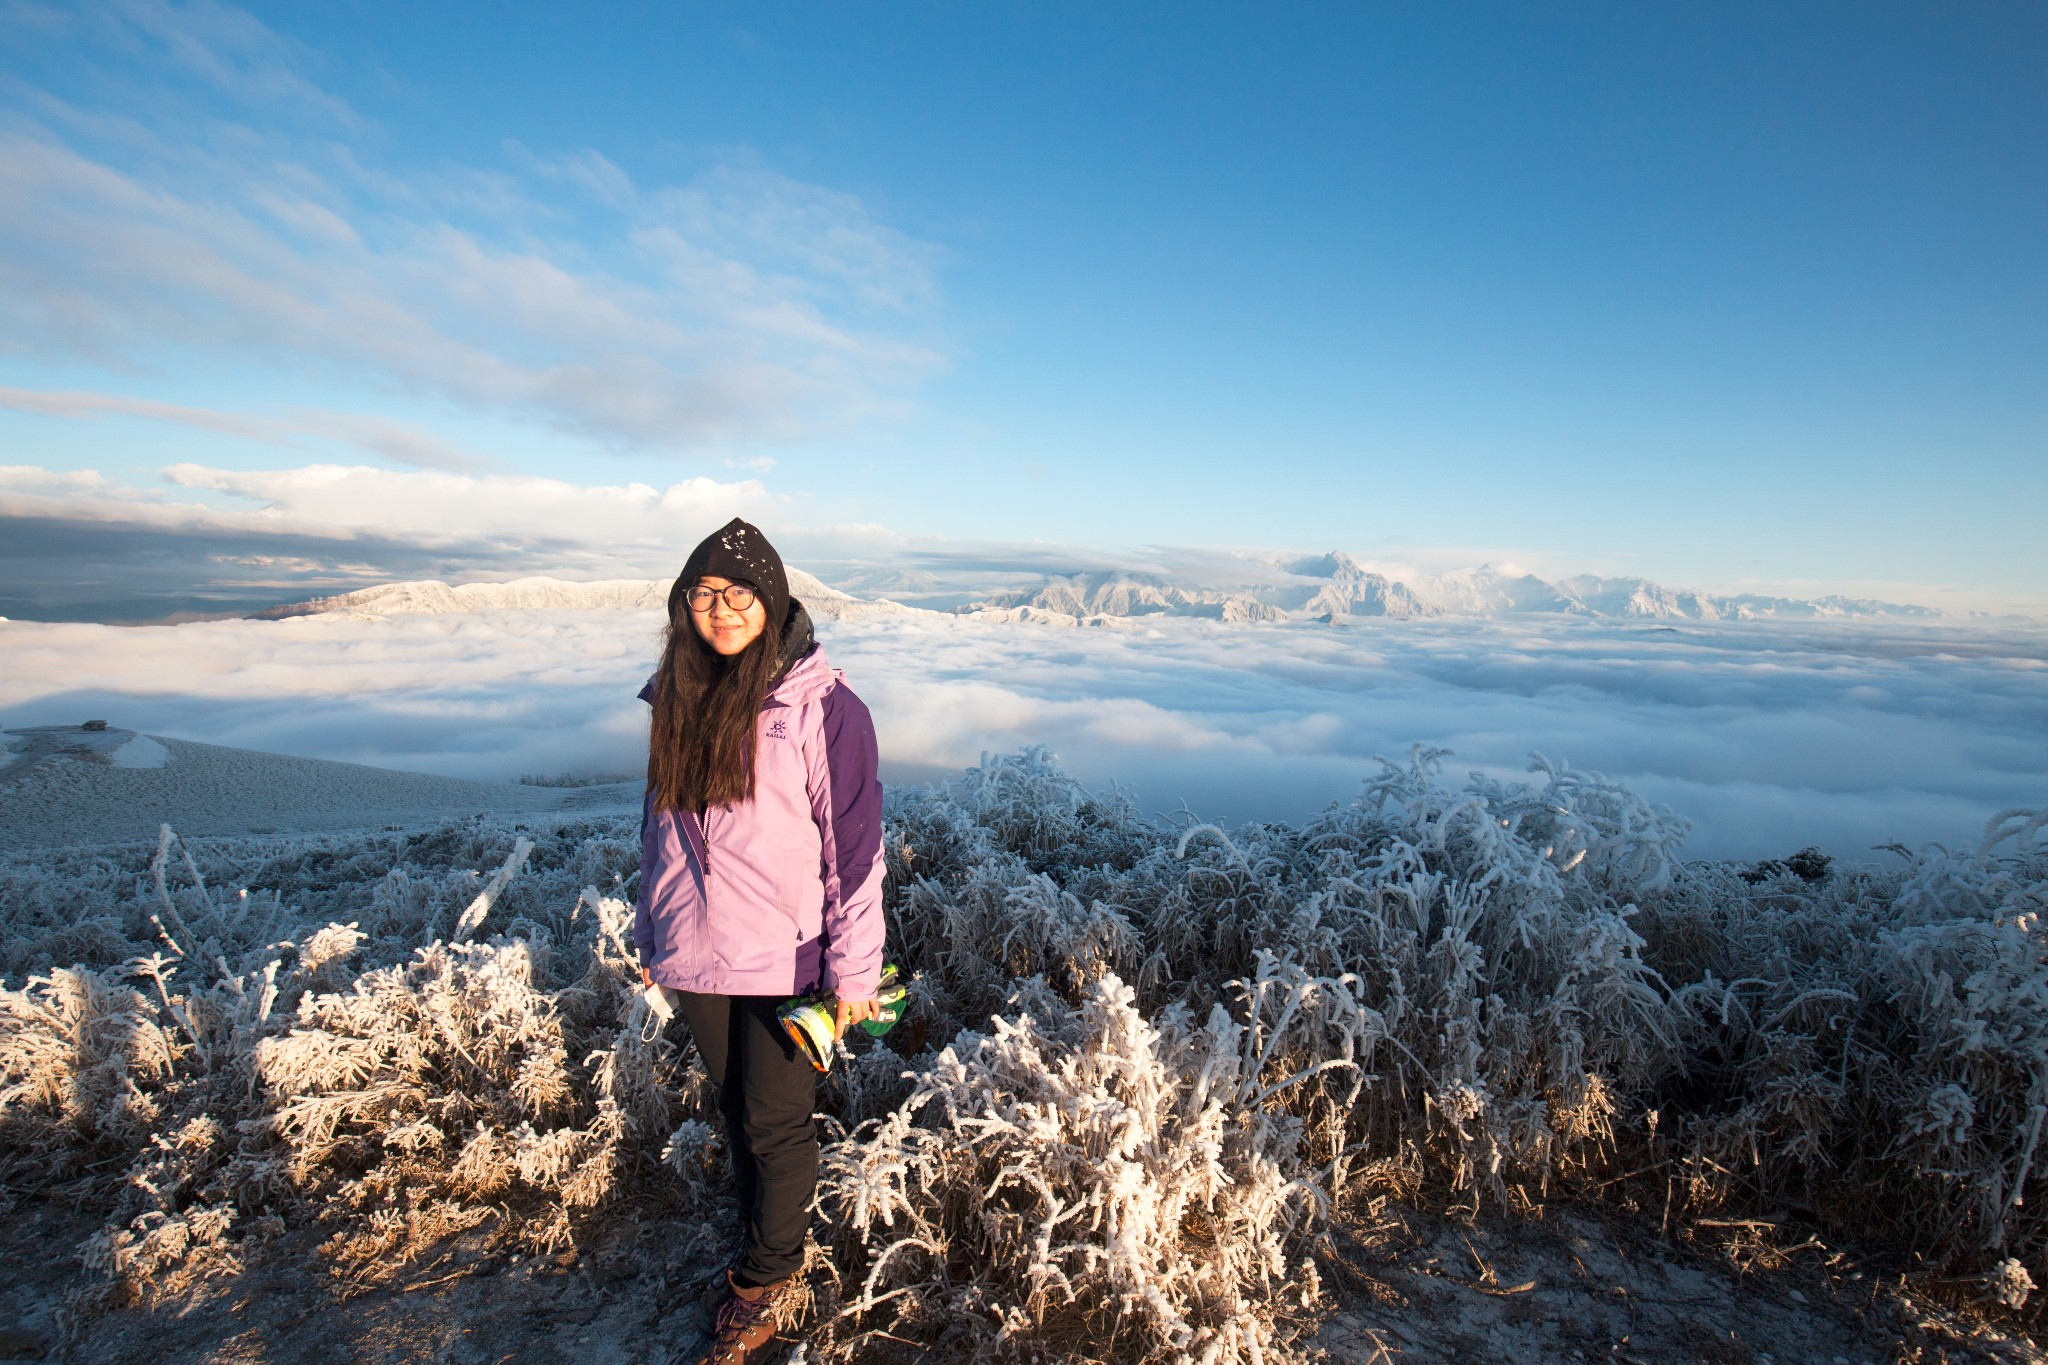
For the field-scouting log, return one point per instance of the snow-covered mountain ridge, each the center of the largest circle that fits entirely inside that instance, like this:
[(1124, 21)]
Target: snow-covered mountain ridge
[(1330, 587), (431, 597), (1335, 587)]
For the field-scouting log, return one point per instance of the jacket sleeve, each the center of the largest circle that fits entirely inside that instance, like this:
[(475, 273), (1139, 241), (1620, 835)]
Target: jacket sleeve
[(643, 920), (643, 924), (846, 802)]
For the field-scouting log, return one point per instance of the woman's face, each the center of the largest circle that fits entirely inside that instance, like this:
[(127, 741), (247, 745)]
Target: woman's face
[(725, 630)]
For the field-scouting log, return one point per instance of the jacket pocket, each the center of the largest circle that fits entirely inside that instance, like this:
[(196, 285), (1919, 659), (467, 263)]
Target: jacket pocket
[(799, 892)]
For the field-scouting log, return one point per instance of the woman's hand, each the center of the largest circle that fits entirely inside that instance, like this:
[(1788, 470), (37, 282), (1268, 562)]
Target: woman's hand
[(646, 977), (849, 1012)]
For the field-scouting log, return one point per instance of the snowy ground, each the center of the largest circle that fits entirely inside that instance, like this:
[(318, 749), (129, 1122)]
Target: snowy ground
[(64, 786), (1769, 736)]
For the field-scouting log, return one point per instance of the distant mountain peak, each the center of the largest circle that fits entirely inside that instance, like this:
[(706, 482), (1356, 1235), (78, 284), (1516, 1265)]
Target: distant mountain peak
[(1333, 564)]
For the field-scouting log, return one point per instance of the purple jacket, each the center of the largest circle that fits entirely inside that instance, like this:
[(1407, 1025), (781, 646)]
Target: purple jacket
[(783, 892)]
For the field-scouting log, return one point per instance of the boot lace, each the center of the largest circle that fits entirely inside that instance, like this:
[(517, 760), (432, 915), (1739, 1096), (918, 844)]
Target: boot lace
[(737, 1315)]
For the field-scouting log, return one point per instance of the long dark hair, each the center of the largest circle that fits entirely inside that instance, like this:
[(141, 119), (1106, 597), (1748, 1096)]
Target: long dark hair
[(700, 748)]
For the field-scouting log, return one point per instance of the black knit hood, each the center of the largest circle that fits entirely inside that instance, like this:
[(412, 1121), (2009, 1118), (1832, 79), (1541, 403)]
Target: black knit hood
[(736, 550)]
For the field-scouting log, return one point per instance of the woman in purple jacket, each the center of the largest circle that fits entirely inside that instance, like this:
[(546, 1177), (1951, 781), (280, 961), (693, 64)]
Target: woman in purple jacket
[(760, 878)]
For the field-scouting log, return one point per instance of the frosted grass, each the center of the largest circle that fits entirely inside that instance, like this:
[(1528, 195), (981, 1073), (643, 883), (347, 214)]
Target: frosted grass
[(1150, 1059)]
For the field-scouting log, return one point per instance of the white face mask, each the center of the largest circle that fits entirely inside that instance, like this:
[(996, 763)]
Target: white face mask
[(661, 1007)]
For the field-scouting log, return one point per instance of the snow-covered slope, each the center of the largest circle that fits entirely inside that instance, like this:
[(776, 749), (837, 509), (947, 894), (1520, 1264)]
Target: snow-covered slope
[(1353, 590), (1494, 589), (1081, 597), (431, 597), (1641, 597), (69, 794), (434, 598)]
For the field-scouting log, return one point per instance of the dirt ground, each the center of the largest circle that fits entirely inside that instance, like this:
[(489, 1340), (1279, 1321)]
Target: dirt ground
[(1401, 1287), (1593, 1285)]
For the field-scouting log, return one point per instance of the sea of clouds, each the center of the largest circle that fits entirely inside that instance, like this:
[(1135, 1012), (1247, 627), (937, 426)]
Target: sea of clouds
[(1768, 736)]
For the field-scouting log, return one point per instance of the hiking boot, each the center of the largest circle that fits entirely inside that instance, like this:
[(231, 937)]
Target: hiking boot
[(718, 1279), (743, 1332)]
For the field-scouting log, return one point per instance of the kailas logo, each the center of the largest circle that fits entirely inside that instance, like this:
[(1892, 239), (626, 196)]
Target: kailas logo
[(778, 730)]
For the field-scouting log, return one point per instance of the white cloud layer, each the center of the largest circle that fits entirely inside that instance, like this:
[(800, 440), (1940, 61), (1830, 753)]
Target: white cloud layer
[(206, 199), (445, 508), (1768, 736)]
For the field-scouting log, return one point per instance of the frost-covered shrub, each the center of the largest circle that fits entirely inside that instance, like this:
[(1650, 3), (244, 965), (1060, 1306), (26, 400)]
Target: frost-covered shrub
[(1472, 992), (1494, 930), (101, 907), (1874, 1032), (432, 1091), (975, 936), (1549, 989), (1031, 807), (1512, 1013), (79, 1051), (405, 1091), (1092, 1179)]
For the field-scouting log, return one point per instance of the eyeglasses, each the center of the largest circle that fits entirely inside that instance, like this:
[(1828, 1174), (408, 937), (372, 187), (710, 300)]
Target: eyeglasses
[(738, 596)]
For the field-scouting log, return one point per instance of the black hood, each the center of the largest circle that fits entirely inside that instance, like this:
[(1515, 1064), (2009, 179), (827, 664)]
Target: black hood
[(797, 639), (739, 552)]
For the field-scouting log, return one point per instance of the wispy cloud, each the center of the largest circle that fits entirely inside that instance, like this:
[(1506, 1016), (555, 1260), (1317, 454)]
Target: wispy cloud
[(737, 307), (510, 510), (222, 46), (495, 515), (299, 429)]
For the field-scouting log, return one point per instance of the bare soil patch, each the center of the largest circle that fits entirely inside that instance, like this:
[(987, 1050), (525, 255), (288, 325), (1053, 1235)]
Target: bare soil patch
[(1400, 1286)]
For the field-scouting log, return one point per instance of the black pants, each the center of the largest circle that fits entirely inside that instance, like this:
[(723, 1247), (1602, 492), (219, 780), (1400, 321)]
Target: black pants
[(766, 1091)]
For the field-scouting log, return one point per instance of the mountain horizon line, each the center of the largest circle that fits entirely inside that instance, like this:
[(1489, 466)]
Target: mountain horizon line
[(1330, 587)]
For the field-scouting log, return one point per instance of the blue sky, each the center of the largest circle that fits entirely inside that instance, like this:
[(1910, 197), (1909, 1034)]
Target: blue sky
[(1740, 297)]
